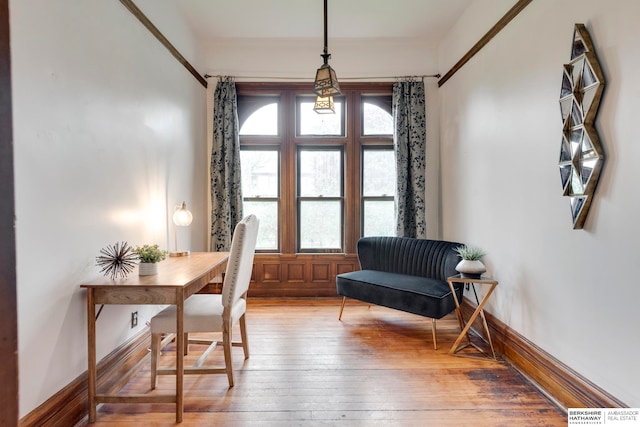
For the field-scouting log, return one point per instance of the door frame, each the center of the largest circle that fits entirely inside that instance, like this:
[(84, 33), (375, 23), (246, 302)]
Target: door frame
[(9, 396)]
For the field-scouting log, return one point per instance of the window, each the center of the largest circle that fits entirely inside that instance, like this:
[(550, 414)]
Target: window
[(320, 203), (378, 168), (376, 116), (259, 116), (378, 191), (312, 123), (317, 182), (260, 189)]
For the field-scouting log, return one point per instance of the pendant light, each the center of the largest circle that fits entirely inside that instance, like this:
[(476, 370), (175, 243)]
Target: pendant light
[(326, 83)]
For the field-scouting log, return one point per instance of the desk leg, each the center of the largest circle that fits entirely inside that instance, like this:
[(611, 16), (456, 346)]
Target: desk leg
[(179, 356), (91, 345)]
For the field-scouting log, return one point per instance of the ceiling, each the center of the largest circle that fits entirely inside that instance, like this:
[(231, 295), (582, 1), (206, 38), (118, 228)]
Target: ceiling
[(347, 19)]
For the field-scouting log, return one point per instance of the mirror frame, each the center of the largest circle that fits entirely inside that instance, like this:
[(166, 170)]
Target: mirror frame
[(581, 154)]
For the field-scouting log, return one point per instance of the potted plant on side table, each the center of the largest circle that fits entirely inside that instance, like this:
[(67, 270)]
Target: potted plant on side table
[(149, 256), (470, 265)]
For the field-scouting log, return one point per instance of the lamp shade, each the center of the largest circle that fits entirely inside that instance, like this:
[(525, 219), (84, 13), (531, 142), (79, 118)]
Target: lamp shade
[(326, 82), (182, 216), (324, 105)]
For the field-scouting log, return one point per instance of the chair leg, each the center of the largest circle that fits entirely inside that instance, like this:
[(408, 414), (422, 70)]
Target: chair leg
[(226, 341), (342, 308), (155, 351), (186, 343), (243, 335), (433, 332)]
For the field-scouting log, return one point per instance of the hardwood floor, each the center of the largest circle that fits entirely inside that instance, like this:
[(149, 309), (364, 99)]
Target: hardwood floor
[(375, 367)]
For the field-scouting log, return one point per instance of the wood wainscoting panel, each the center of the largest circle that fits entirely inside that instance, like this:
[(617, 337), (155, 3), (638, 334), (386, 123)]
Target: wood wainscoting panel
[(299, 275), (295, 273), (558, 381), (346, 267), (270, 272), (321, 273)]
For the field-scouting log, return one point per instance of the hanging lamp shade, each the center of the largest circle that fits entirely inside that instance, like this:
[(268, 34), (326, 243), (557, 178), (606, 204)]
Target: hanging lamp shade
[(326, 83), (324, 105)]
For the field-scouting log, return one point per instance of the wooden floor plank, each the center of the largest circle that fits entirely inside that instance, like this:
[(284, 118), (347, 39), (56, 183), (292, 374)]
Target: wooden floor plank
[(375, 367)]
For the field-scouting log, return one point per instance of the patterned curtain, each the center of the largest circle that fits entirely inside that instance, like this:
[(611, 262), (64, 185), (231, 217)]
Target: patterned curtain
[(226, 188), (409, 140)]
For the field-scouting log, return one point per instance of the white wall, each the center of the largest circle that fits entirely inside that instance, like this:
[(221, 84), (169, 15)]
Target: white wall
[(572, 292), (109, 134)]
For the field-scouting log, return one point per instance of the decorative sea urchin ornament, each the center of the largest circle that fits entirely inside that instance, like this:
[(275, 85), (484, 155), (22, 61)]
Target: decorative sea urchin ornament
[(117, 260)]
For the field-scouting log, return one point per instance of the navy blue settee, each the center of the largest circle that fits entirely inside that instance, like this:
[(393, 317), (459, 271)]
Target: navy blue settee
[(404, 274)]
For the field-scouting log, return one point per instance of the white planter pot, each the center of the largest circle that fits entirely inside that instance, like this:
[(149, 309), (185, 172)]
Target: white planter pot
[(148, 268), (472, 269)]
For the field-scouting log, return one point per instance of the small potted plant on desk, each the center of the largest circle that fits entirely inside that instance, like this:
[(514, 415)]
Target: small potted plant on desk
[(470, 266), (150, 256)]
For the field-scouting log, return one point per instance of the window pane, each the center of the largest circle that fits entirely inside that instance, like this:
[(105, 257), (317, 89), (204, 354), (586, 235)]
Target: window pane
[(259, 169), (320, 224), (320, 173), (376, 121), (267, 213), (378, 173), (262, 122), (379, 218), (312, 123)]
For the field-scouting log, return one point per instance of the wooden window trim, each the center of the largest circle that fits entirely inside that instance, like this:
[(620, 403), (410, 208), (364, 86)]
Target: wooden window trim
[(301, 274)]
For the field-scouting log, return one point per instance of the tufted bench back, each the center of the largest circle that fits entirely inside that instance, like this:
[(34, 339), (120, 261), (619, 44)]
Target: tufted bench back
[(435, 259)]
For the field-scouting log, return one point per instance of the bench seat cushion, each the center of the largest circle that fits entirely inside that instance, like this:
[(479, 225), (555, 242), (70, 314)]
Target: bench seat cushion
[(414, 294)]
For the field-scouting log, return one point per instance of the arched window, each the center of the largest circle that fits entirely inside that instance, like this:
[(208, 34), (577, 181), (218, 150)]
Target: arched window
[(258, 116), (318, 182), (378, 176)]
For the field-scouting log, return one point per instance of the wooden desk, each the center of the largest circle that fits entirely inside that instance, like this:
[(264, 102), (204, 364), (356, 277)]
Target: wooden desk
[(177, 279)]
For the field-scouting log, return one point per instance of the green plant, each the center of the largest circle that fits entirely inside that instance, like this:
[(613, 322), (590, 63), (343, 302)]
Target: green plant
[(470, 253), (150, 253)]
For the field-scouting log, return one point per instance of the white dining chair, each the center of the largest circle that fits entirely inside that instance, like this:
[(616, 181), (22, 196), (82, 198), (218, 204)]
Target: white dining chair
[(213, 312)]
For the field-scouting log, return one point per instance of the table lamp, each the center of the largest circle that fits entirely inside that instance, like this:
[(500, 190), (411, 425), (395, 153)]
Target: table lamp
[(181, 218)]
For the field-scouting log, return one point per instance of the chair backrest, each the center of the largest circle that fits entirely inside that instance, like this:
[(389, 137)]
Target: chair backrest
[(240, 264), (435, 259)]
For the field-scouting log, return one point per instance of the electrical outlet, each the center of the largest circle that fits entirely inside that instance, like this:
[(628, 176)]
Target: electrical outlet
[(134, 319)]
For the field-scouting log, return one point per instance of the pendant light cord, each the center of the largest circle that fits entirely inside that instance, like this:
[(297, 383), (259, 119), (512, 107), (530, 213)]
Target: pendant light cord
[(326, 54)]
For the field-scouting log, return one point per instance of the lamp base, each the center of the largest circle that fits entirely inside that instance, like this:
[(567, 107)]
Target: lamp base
[(180, 253)]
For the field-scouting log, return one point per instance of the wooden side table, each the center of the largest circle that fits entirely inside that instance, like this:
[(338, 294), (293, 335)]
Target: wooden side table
[(465, 326)]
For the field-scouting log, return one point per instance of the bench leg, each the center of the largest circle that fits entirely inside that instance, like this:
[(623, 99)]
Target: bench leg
[(433, 332), (342, 307)]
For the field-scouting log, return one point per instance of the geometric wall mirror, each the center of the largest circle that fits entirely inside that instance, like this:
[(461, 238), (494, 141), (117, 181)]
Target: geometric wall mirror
[(581, 155)]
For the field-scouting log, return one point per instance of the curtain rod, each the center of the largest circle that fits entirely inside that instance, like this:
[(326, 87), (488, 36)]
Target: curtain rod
[(422, 76)]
